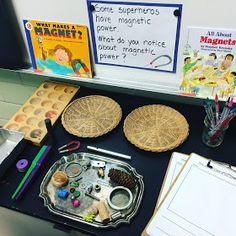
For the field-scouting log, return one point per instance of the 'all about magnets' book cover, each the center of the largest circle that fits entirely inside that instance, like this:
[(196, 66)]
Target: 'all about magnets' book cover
[(209, 63), (58, 48)]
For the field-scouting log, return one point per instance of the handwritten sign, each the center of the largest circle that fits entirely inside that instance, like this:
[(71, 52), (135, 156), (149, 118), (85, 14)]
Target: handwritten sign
[(139, 35)]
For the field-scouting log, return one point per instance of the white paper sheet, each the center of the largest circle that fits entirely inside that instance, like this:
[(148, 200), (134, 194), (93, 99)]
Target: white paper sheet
[(201, 202), (175, 165)]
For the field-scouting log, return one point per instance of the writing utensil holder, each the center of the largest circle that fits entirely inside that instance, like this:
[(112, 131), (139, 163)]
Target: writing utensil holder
[(213, 138)]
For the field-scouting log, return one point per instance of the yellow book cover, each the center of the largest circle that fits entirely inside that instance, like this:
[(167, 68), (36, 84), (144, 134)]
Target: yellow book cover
[(58, 48)]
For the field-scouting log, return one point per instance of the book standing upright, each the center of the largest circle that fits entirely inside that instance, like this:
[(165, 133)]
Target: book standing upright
[(58, 48)]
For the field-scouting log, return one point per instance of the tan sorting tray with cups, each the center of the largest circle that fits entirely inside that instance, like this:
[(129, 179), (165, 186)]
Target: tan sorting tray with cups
[(48, 101)]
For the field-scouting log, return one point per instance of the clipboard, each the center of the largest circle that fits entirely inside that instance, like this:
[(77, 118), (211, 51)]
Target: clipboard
[(176, 163), (202, 210)]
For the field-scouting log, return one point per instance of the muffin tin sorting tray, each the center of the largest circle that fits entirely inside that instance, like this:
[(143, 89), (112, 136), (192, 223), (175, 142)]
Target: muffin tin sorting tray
[(89, 177), (48, 101)]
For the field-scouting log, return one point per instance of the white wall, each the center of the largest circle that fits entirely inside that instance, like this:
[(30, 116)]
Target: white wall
[(210, 13)]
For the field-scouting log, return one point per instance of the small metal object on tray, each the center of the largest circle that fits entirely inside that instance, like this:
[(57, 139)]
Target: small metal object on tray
[(88, 193), (120, 198)]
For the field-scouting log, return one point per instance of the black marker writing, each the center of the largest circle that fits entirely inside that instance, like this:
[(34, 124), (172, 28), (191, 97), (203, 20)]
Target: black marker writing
[(130, 34)]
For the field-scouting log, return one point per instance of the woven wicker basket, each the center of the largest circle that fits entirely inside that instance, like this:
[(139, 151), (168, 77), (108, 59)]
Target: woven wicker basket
[(156, 128), (91, 116)]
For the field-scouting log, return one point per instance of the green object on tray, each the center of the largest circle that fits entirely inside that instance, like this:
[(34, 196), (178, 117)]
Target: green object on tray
[(27, 174), (89, 217)]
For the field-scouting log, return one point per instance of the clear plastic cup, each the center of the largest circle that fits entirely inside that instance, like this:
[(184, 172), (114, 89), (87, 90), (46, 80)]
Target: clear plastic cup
[(210, 139)]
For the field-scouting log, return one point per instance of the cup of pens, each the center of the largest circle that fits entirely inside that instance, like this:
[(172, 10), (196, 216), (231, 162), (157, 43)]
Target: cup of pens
[(208, 136), (216, 123)]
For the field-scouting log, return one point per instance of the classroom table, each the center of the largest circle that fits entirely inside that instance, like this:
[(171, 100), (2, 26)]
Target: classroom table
[(152, 166)]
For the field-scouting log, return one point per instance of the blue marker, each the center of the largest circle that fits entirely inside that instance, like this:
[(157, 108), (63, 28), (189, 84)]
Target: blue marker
[(233, 110)]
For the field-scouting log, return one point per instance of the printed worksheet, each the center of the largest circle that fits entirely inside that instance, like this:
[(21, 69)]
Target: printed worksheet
[(175, 165), (201, 201)]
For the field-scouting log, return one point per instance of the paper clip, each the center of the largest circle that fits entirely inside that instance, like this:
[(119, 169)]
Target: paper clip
[(75, 143)]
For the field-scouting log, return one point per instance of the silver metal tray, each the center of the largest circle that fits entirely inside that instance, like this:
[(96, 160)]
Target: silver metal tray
[(11, 144), (65, 208), (9, 139)]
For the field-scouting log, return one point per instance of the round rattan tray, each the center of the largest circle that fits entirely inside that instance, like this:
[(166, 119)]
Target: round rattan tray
[(156, 128), (91, 116)]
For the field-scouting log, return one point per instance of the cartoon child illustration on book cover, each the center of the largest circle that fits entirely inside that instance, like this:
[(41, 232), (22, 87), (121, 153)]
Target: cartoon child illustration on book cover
[(209, 65), (58, 48)]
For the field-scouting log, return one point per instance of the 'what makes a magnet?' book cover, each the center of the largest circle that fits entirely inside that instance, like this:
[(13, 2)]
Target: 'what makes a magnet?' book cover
[(58, 48)]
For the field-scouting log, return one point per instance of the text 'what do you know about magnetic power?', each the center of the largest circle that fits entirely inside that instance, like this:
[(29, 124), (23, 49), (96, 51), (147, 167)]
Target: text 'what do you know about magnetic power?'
[(138, 35)]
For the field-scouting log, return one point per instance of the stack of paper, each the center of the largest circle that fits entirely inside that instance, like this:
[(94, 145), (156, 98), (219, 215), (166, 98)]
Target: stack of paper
[(197, 198)]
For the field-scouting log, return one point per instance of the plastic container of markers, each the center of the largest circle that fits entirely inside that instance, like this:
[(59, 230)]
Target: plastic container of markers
[(210, 137)]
